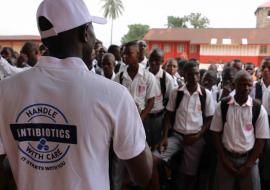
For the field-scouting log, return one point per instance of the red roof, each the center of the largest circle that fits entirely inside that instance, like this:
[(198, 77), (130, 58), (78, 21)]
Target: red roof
[(20, 37), (204, 36)]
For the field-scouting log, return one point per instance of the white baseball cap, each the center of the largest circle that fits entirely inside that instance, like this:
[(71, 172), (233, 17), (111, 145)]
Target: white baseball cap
[(65, 15)]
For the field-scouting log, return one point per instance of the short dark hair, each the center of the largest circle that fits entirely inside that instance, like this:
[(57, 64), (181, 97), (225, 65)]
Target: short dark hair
[(189, 65), (132, 43)]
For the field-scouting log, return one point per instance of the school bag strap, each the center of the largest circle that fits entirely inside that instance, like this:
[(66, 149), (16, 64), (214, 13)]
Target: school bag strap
[(256, 109), (163, 84), (258, 91), (203, 100), (121, 77), (224, 108)]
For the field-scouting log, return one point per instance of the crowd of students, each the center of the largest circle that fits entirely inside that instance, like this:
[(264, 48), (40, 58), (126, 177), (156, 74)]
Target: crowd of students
[(206, 128)]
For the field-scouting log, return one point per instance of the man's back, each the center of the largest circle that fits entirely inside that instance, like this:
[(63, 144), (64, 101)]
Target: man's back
[(57, 123)]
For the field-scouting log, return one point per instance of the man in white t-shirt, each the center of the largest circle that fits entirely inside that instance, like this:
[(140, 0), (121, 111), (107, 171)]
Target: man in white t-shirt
[(57, 119)]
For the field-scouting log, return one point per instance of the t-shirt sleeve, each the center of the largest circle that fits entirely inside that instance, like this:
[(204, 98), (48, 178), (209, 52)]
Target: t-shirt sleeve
[(128, 136), (172, 100), (209, 104), (152, 87), (217, 124), (262, 126)]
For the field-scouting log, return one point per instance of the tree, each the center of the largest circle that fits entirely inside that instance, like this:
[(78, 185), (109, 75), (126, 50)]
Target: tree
[(112, 9), (177, 22), (136, 32), (197, 21)]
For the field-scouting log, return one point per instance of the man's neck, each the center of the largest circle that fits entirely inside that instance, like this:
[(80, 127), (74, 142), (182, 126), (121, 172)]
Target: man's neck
[(141, 59), (153, 71), (240, 99), (266, 82), (133, 70), (192, 88)]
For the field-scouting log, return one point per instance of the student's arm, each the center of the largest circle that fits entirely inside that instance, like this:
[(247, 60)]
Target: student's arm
[(256, 151), (167, 125), (140, 167), (219, 148), (148, 107), (2, 172)]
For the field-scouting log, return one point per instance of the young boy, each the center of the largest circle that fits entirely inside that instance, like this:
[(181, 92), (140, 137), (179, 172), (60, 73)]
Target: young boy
[(108, 64), (153, 123), (239, 135), (188, 128)]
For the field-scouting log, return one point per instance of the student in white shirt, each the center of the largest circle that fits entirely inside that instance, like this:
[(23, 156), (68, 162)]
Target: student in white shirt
[(108, 63), (154, 122), (261, 92), (142, 51), (239, 138), (189, 127), (57, 120)]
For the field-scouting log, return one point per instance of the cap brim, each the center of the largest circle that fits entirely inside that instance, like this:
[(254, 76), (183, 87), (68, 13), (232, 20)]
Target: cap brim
[(98, 20)]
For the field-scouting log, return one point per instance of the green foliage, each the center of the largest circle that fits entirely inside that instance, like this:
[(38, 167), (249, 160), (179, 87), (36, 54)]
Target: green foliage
[(136, 32), (195, 20), (112, 8), (177, 22)]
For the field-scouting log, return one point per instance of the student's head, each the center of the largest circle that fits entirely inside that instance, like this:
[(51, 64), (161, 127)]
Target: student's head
[(228, 75), (191, 73), (209, 79), (100, 54), (31, 51), (131, 53), (243, 83), (115, 50), (171, 66), (237, 64), (213, 67), (7, 53), (265, 66), (181, 64), (122, 50), (108, 63), (202, 71), (250, 68), (155, 60), (258, 73), (142, 48), (66, 27), (97, 46)]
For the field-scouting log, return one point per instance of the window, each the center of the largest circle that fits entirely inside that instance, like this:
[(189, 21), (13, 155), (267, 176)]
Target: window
[(213, 41), (244, 41), (155, 46), (226, 41), (193, 48), (263, 49), (180, 48), (167, 48)]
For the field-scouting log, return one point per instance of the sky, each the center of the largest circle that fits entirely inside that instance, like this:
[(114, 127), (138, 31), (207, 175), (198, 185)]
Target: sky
[(17, 17)]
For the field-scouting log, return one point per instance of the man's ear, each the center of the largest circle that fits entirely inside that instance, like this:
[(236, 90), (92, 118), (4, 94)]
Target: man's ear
[(83, 32)]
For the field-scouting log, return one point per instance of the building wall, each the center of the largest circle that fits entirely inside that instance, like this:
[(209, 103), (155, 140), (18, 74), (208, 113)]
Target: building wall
[(263, 20), (230, 50), (16, 45)]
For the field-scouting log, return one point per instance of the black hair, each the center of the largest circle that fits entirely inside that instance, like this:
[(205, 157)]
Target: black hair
[(181, 63), (240, 74), (29, 47), (132, 43), (113, 48), (189, 65)]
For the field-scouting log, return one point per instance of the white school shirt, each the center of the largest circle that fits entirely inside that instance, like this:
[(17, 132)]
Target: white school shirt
[(238, 131), (141, 88), (188, 118), (7, 70), (57, 121), (144, 62), (158, 105), (266, 97)]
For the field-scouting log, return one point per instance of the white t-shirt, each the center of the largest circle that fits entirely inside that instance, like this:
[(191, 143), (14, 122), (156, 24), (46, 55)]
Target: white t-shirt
[(158, 105), (142, 87), (7, 70), (56, 124), (188, 118), (238, 131)]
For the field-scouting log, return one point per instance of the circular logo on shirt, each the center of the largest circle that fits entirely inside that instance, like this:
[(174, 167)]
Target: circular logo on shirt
[(44, 135)]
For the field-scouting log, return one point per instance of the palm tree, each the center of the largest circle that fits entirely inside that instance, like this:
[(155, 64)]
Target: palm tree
[(112, 9)]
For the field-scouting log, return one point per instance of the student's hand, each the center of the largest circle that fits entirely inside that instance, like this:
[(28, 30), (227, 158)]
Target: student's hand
[(244, 170), (163, 145), (190, 139), (230, 166)]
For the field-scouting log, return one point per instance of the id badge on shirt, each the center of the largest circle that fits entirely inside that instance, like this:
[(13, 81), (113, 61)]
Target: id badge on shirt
[(141, 90)]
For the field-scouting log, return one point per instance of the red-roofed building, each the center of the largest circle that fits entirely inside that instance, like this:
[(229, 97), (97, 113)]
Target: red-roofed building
[(16, 42), (216, 45)]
